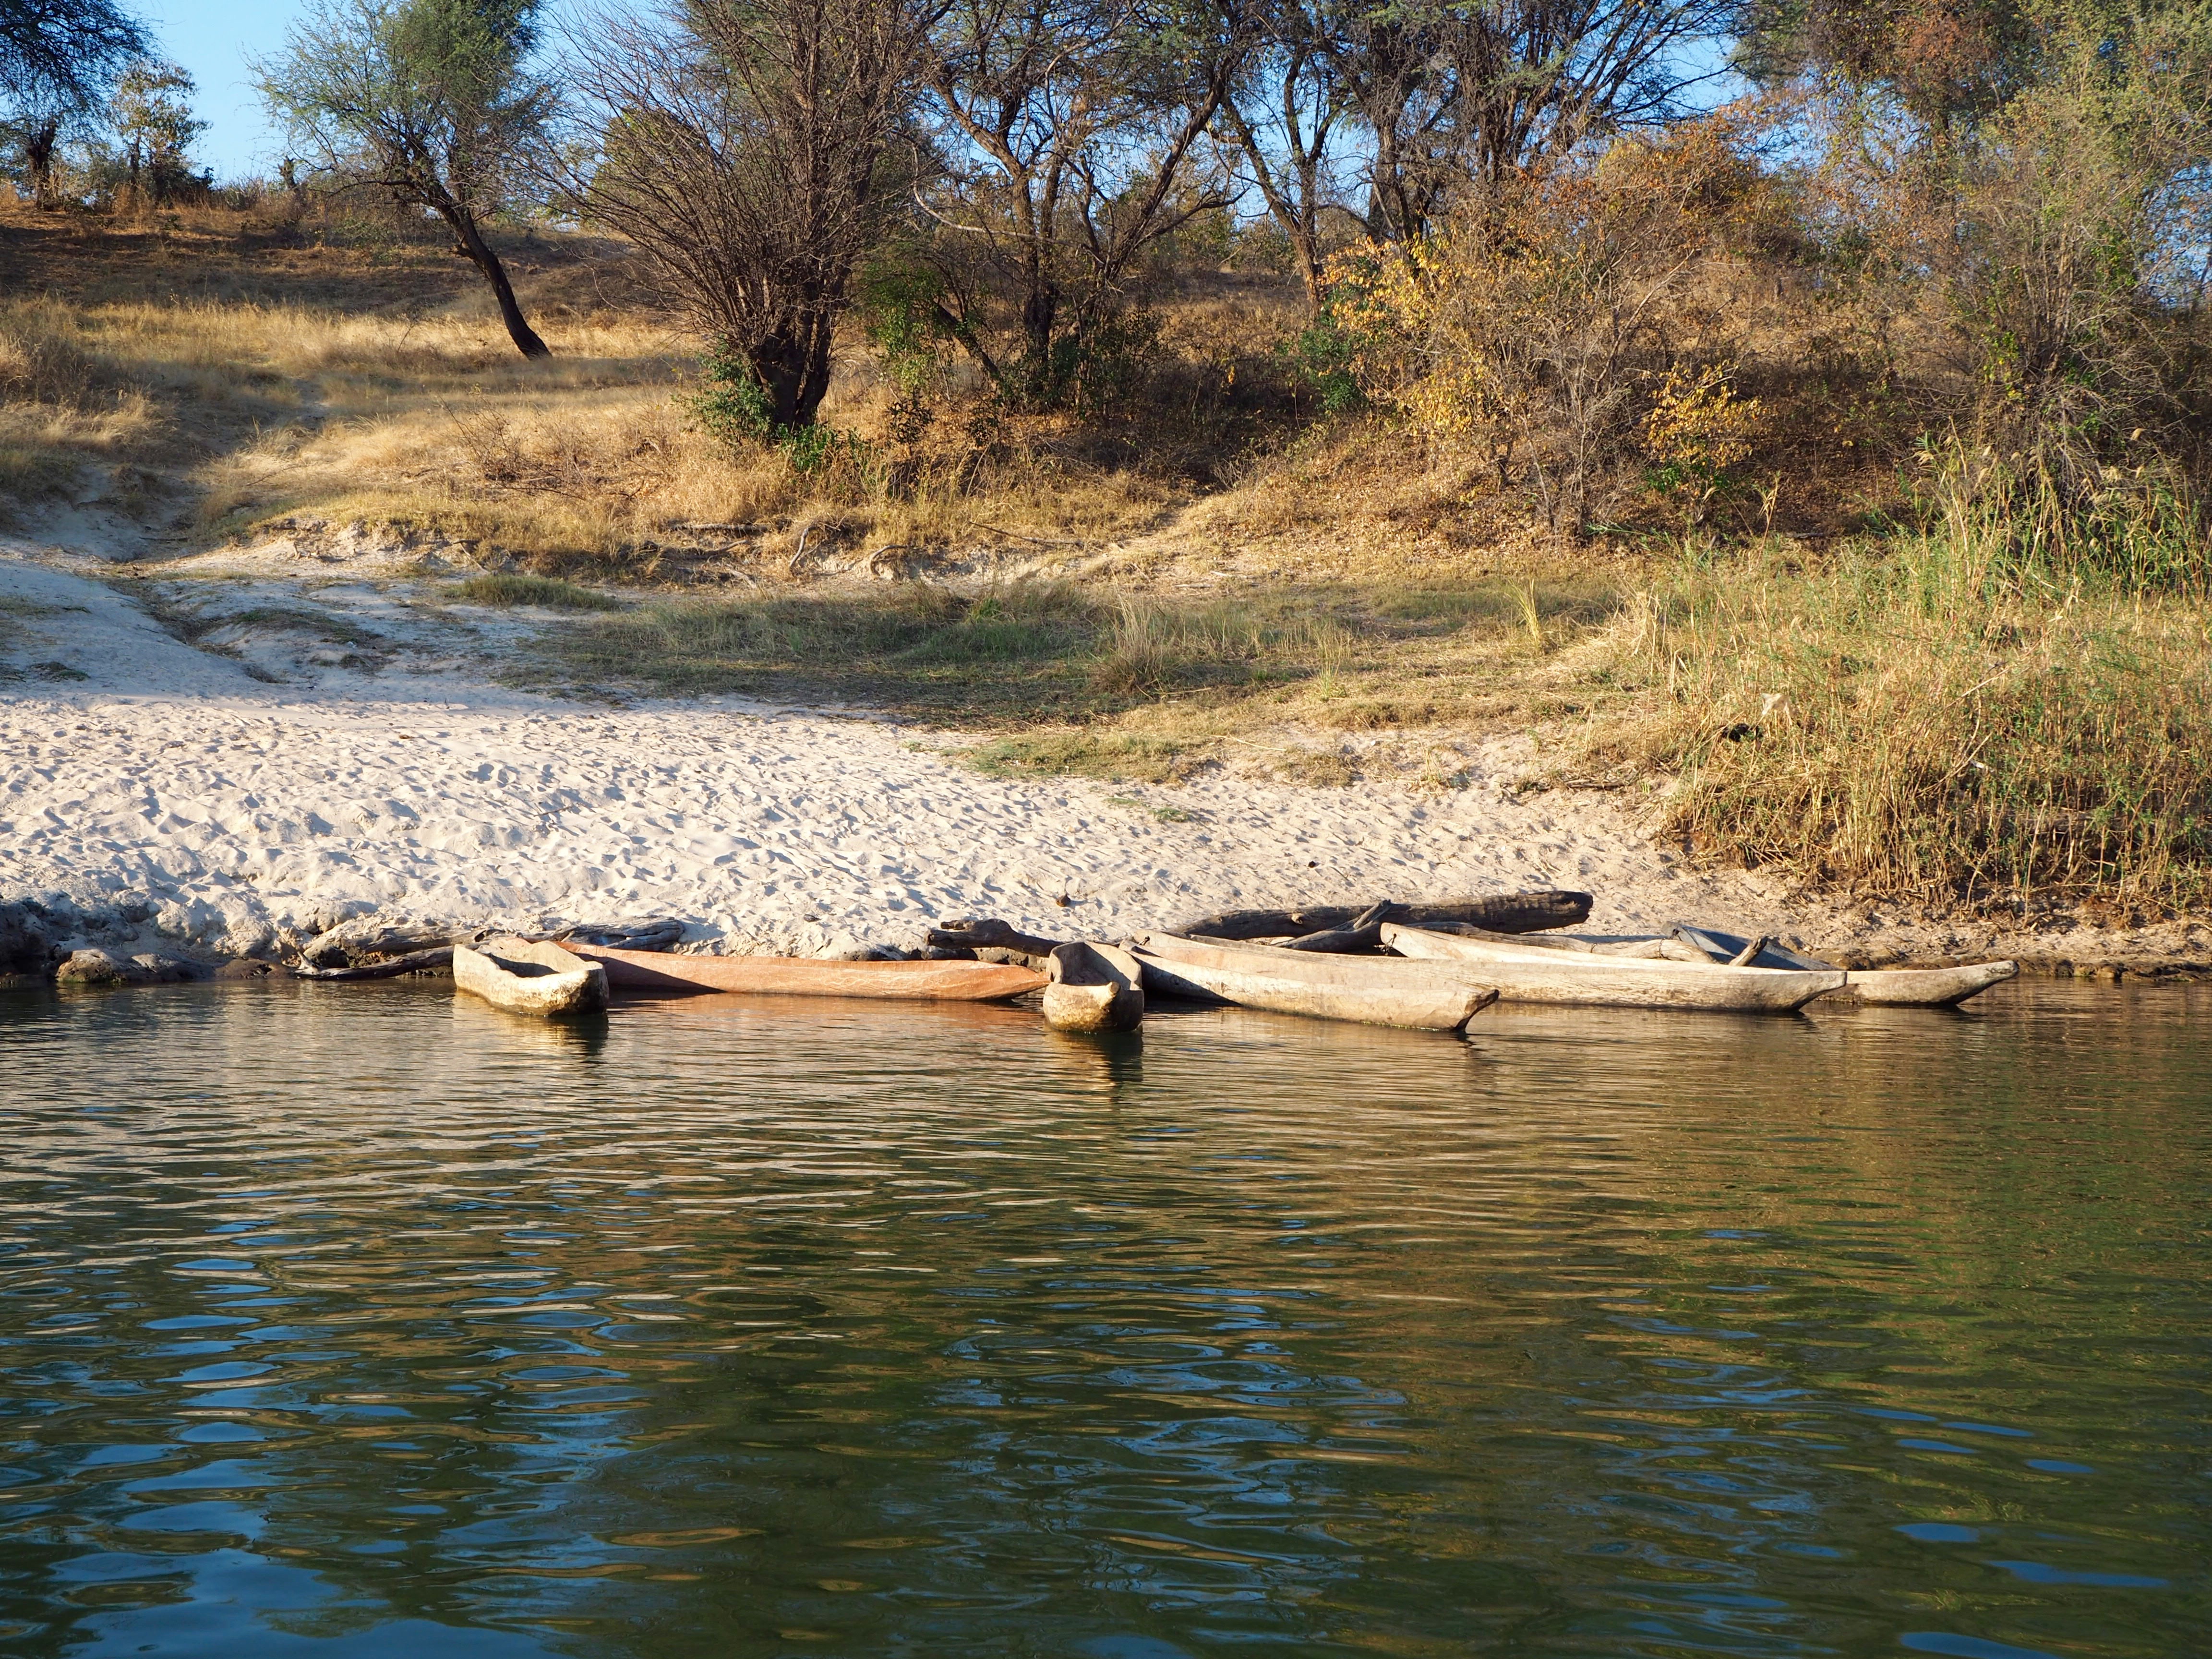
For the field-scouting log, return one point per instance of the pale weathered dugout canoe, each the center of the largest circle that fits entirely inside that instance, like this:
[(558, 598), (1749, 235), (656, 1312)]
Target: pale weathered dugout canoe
[(802, 976), (1591, 980), (1093, 987), (1926, 987), (524, 978), (1884, 988), (1374, 990)]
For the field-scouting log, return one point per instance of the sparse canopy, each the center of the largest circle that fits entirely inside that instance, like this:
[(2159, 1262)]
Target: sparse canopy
[(67, 49), (742, 148), (152, 110), (1071, 131), (433, 100), (57, 58)]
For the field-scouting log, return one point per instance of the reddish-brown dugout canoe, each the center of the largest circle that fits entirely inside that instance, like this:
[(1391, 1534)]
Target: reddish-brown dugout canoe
[(801, 976)]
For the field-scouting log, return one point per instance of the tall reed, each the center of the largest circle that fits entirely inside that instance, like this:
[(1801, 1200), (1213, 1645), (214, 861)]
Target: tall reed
[(1977, 710)]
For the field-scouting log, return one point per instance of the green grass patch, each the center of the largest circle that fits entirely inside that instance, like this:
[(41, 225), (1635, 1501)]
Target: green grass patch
[(1115, 756), (1053, 651), (1913, 722), (546, 592)]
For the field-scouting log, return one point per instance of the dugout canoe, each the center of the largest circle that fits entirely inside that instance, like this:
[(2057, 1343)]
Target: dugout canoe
[(1592, 980), (803, 977), (1926, 987), (1881, 987), (1093, 987), (1372, 990), (524, 978)]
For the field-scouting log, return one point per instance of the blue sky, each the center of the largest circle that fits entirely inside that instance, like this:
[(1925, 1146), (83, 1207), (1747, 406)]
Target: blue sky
[(212, 39)]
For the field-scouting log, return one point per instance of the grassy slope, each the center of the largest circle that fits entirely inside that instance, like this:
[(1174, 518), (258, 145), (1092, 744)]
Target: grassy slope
[(1319, 602)]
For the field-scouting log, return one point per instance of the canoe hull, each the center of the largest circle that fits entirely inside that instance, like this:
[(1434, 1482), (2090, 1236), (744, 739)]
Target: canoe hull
[(1594, 980), (1927, 987), (1888, 987), (1093, 987), (801, 976), (1371, 990), (550, 982)]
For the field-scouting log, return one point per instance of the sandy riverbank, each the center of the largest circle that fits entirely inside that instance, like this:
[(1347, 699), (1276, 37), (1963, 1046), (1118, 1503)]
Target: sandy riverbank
[(159, 796)]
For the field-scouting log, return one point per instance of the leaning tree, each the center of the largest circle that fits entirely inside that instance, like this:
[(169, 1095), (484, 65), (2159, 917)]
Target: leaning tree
[(433, 100)]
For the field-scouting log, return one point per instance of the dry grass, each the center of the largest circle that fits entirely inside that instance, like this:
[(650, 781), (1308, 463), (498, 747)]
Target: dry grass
[(60, 403), (1316, 601), (272, 382), (542, 593), (1895, 723), (1124, 683)]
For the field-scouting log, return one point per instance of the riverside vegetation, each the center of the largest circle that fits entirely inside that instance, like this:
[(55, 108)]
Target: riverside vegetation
[(1830, 462)]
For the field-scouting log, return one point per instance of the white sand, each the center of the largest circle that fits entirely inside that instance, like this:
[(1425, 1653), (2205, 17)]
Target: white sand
[(171, 792)]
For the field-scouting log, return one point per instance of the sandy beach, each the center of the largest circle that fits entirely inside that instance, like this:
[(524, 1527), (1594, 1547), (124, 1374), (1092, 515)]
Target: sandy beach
[(233, 802)]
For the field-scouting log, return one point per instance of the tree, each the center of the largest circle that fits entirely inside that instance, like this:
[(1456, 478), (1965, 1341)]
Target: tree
[(56, 60), (152, 112), (34, 131), (1067, 128), (742, 146), (1288, 113), (1451, 92), (1947, 63), (1426, 99), (73, 47), (433, 101)]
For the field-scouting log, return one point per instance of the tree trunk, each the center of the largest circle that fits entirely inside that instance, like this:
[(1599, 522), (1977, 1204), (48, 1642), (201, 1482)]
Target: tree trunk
[(1305, 241), (1040, 317), (39, 162), (480, 254), (792, 366)]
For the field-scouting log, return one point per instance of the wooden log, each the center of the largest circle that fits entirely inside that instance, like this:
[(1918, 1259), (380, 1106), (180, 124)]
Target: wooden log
[(1004, 940), (1362, 936), (415, 962), (662, 935), (1746, 957), (373, 938), (1498, 913)]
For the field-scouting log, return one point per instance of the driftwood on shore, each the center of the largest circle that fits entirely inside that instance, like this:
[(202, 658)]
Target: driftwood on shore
[(415, 962), (1005, 941), (373, 948), (661, 935), (1361, 936), (1497, 913)]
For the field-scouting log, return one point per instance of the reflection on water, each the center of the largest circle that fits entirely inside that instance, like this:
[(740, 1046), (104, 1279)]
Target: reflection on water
[(349, 1319)]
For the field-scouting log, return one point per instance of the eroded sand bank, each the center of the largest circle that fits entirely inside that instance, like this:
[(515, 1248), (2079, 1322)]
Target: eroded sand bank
[(171, 796)]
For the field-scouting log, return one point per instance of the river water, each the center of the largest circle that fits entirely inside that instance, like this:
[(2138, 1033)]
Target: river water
[(350, 1321)]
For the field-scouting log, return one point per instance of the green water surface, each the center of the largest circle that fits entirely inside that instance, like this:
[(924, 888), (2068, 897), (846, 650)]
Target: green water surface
[(349, 1320)]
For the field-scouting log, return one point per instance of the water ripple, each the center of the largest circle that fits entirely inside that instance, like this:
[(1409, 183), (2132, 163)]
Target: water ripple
[(349, 1320)]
